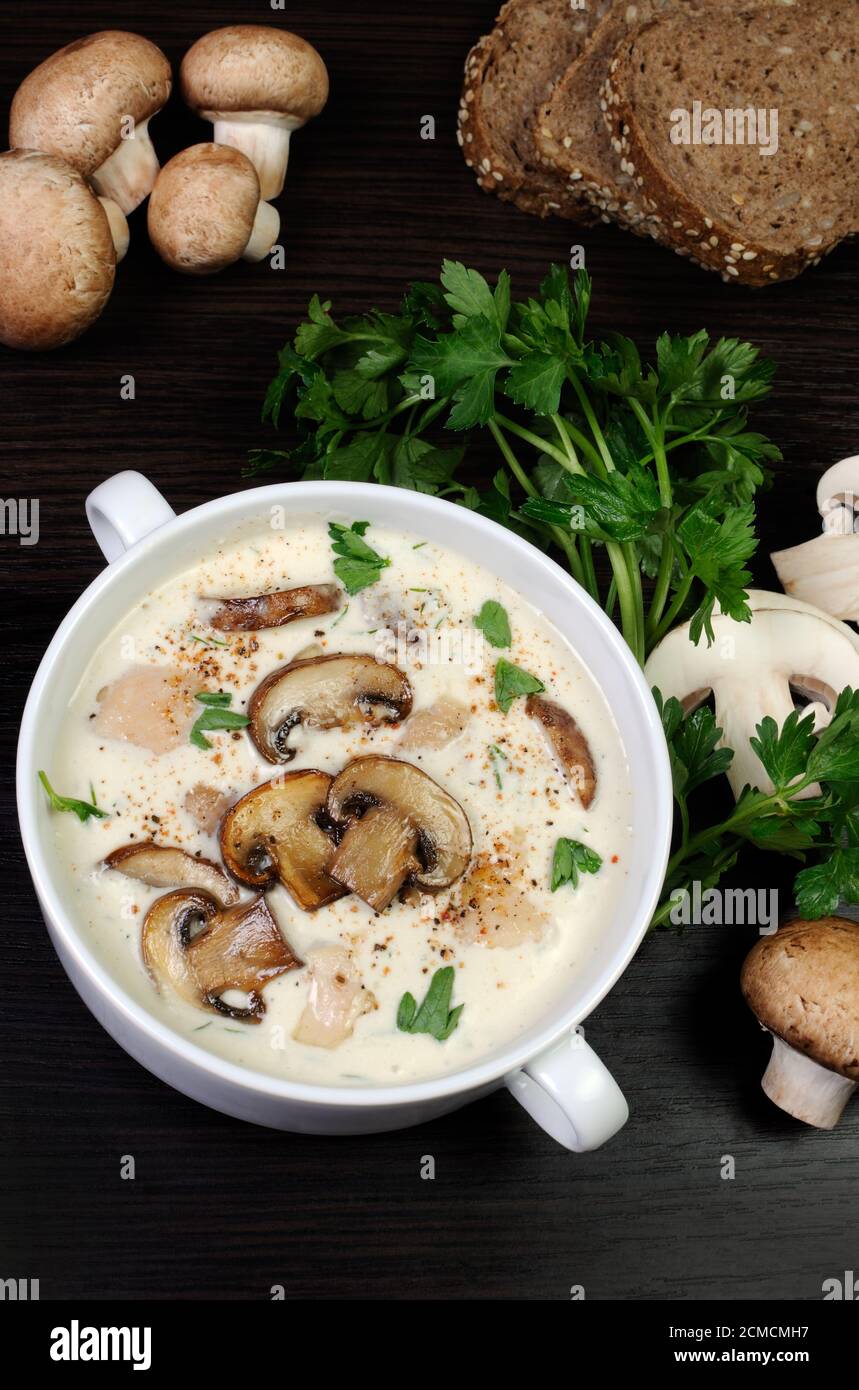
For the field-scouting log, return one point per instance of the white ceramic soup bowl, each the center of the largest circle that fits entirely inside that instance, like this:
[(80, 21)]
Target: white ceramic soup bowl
[(549, 1069)]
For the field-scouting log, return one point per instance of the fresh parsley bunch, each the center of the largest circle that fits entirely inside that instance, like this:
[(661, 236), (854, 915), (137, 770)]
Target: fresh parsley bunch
[(655, 464)]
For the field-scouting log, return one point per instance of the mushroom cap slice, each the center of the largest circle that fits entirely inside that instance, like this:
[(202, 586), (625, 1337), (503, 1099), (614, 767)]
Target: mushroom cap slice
[(240, 948), (568, 744), (76, 103), (275, 610), (423, 836), (255, 68), (165, 866), (166, 935), (203, 210), (57, 257), (802, 984), (753, 670), (326, 692), (377, 856), (273, 834)]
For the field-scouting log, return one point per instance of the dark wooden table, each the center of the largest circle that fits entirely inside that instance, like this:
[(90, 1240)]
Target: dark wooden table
[(219, 1208)]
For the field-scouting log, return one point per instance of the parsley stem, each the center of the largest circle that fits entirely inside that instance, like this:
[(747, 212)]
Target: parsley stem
[(607, 462), (544, 445), (624, 560), (573, 466), (379, 420), (755, 808), (567, 544), (673, 612)]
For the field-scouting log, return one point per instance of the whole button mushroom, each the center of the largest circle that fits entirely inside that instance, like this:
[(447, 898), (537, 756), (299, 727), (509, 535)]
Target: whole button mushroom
[(803, 986), (59, 245), (205, 211), (91, 104), (257, 85)]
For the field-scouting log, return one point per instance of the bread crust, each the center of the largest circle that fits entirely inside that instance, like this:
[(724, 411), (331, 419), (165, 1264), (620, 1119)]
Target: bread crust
[(541, 191), (688, 229)]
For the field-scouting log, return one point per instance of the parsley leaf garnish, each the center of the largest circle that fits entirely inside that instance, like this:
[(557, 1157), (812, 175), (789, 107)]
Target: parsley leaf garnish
[(572, 858), (511, 682), (358, 564), (434, 1016), (82, 809), (493, 622), (216, 716)]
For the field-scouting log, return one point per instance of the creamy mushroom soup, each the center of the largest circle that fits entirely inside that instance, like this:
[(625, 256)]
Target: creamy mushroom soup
[(336, 795)]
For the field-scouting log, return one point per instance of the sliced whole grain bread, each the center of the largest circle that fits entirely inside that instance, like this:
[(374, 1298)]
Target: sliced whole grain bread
[(508, 74), (755, 218), (571, 134)]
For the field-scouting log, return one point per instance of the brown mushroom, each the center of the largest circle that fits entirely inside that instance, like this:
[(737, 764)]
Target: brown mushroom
[(274, 610), (91, 104), (165, 866), (166, 935), (257, 84), (402, 827), (327, 692), (59, 246), (205, 212), (275, 834), (336, 999), (569, 745), (239, 947), (802, 984)]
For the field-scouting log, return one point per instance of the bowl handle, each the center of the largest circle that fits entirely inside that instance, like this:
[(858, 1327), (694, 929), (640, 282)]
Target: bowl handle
[(123, 510), (571, 1095)]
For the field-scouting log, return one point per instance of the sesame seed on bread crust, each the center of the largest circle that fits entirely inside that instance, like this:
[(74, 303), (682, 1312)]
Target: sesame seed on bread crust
[(508, 73), (755, 219)]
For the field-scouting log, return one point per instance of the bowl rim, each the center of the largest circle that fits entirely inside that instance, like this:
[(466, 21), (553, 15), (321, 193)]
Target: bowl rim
[(311, 496)]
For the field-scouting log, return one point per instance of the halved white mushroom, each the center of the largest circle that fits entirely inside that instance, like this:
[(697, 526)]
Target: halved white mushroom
[(569, 745), (259, 611), (277, 834), (825, 571), (402, 827), (336, 999), (165, 866), (326, 692), (755, 669)]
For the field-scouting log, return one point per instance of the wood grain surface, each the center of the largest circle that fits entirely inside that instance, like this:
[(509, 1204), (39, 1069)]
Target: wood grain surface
[(219, 1208)]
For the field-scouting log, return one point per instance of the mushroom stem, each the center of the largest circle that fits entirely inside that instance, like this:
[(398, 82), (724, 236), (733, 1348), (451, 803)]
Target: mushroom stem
[(128, 175), (118, 227), (263, 234), (264, 141), (803, 1088)]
